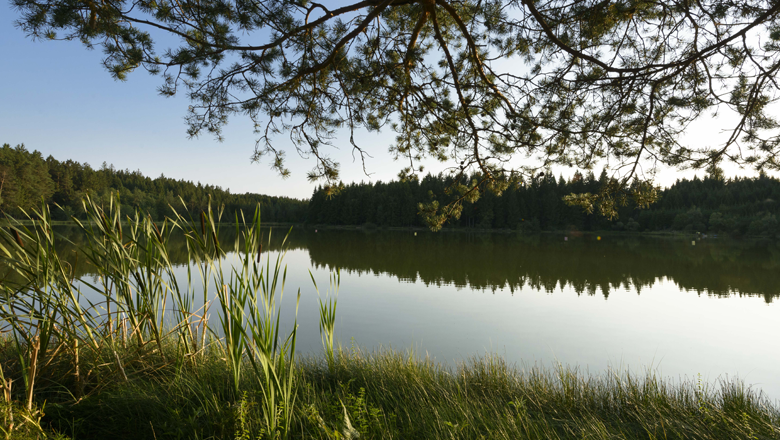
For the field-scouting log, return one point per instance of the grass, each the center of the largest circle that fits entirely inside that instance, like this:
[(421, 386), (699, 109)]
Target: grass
[(394, 396), (142, 362)]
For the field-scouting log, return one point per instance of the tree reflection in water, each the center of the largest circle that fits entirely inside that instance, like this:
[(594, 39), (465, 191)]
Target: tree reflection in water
[(492, 261)]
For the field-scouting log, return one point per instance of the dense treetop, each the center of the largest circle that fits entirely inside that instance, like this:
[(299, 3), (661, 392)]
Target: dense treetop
[(502, 87), (27, 179)]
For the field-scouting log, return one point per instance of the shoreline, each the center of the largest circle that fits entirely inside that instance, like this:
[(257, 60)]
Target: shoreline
[(391, 394), (567, 232), (363, 228)]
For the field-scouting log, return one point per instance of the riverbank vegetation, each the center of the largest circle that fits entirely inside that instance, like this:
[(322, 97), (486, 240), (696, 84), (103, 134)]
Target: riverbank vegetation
[(131, 353), (387, 395)]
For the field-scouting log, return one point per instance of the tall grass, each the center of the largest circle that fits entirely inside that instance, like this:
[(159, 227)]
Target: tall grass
[(392, 395), (46, 314), (327, 311), (42, 310)]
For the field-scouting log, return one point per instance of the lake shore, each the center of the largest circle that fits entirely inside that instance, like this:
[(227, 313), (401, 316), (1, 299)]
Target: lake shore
[(388, 395), (566, 232), (372, 228), (140, 358)]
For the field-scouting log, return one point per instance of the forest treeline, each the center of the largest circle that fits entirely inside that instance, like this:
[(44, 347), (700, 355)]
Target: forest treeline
[(747, 206), (27, 178)]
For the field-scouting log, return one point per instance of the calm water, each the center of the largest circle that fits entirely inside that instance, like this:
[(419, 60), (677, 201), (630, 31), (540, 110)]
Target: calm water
[(622, 302)]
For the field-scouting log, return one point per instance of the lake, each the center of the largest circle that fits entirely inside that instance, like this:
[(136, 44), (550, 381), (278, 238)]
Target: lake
[(679, 306)]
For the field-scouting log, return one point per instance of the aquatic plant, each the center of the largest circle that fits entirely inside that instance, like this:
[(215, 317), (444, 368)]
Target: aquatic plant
[(47, 311)]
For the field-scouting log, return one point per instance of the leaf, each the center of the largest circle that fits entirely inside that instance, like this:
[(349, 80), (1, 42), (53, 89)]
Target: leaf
[(347, 431)]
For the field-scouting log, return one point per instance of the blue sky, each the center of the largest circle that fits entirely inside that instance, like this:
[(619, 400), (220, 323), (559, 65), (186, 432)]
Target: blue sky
[(58, 99)]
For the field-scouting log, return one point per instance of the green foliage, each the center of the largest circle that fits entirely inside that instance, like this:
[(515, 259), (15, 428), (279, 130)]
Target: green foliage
[(26, 179), (737, 206), (19, 423), (328, 314), (394, 395), (243, 408), (692, 220), (766, 225), (356, 417), (49, 319)]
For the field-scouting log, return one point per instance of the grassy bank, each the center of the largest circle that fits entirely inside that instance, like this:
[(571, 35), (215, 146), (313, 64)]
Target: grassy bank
[(390, 396), (131, 354)]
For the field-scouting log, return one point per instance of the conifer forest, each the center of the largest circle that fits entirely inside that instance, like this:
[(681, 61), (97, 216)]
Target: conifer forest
[(738, 206)]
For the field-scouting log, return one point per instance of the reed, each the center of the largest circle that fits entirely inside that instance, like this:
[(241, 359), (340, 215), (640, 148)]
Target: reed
[(272, 354), (327, 311), (49, 318), (40, 309)]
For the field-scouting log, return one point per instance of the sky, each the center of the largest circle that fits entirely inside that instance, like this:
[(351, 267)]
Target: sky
[(58, 99)]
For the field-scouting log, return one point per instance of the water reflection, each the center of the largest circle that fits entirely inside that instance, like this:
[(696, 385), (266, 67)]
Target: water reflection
[(547, 262), (589, 266)]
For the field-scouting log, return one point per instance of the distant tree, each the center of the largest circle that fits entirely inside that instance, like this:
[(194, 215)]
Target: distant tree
[(632, 225), (765, 225), (689, 205), (24, 179)]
